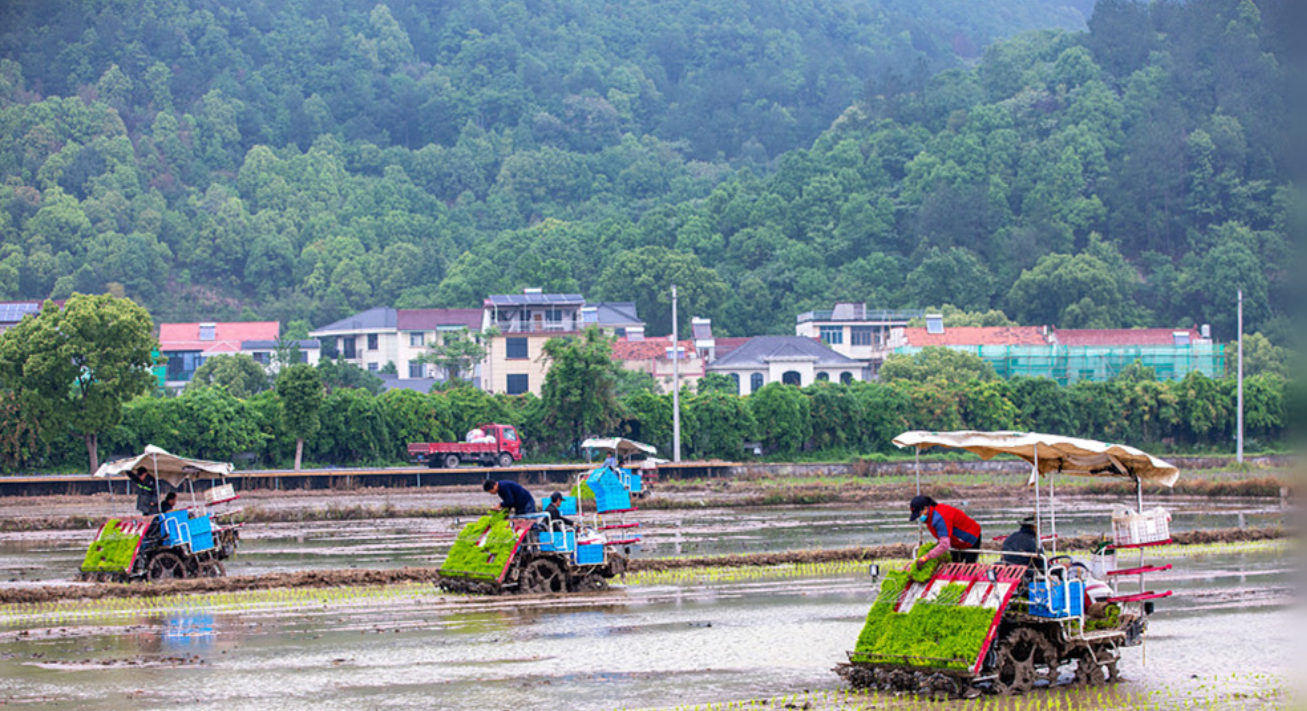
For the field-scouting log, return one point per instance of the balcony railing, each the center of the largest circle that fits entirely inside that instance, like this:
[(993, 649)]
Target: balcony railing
[(563, 326), (870, 315)]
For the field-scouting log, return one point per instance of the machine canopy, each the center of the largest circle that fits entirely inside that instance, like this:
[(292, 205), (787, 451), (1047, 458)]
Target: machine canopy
[(169, 467), (622, 446), (1063, 455)]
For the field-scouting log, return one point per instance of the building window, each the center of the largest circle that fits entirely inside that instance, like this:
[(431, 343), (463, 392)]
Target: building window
[(373, 367), (415, 369), (755, 382), (846, 377), (518, 384), (735, 378), (619, 332), (208, 331), (260, 357), (823, 376), (304, 356), (554, 315), (792, 377), (860, 335), (372, 341), (832, 335), (515, 349), (417, 338), (347, 348)]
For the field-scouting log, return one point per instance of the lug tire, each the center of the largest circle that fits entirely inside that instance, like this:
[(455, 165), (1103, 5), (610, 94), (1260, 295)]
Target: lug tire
[(541, 576), (451, 461), (505, 460), (166, 566)]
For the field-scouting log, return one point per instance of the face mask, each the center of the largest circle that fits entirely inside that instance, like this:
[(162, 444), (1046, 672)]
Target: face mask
[(921, 518)]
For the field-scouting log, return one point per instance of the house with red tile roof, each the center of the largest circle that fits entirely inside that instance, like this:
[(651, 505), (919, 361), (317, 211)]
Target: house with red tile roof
[(654, 356), (1129, 336), (188, 345), (968, 336)]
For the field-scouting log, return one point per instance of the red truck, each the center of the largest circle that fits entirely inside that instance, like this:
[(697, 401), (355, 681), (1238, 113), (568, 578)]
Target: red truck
[(500, 446)]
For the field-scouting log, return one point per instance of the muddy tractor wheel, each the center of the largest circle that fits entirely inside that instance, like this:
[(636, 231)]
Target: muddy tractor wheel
[(451, 461), (543, 575), (592, 582), (166, 566), (1023, 658), (212, 569), (1094, 672), (505, 460)]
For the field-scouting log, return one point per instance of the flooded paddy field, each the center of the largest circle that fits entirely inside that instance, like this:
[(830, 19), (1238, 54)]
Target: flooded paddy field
[(51, 555), (1223, 641)]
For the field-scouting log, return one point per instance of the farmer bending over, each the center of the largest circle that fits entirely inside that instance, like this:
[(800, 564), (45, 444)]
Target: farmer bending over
[(952, 529), (512, 496)]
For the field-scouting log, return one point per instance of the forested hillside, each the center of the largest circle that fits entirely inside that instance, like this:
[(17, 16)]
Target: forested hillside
[(300, 160)]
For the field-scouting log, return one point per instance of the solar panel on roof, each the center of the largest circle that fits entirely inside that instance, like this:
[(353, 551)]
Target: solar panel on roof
[(14, 312)]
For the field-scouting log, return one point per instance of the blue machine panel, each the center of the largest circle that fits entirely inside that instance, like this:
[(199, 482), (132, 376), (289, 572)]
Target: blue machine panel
[(557, 542), (592, 554), (1065, 599)]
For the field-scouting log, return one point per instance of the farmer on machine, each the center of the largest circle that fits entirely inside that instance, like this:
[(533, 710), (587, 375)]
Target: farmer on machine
[(512, 496), (955, 532), (1023, 546)]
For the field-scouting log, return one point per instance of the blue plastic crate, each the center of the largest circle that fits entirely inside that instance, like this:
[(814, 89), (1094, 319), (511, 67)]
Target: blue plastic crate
[(201, 534), (176, 530), (556, 541), (589, 554), (566, 507), (1065, 600), (610, 494), (634, 482)]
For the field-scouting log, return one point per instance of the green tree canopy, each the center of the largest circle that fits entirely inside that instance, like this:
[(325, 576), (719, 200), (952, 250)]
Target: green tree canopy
[(238, 373), (301, 391), (936, 363), (579, 392), (74, 367)]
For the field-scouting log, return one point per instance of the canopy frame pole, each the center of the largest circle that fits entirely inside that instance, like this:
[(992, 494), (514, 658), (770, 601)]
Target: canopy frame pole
[(1052, 508), (1039, 531), (916, 458), (158, 495)]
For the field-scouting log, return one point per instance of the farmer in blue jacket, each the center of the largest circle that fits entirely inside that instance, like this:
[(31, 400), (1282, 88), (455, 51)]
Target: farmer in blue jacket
[(512, 495)]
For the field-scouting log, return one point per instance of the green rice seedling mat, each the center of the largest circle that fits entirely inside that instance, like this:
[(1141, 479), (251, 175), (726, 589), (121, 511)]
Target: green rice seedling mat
[(484, 548), (114, 549), (936, 633)]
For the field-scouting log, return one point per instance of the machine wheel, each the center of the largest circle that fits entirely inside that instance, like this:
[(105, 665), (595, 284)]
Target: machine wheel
[(543, 575), (1019, 658), (213, 569), (451, 461), (505, 460), (1093, 672), (166, 566), (592, 582)]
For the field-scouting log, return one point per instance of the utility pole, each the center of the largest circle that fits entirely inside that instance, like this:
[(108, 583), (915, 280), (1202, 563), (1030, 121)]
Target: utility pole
[(676, 383), (1239, 406)]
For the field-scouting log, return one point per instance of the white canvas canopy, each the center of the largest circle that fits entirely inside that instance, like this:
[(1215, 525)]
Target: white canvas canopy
[(169, 467), (1053, 453), (622, 446)]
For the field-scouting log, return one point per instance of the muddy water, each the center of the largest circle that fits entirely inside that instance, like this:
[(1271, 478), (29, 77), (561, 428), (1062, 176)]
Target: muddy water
[(639, 647), (383, 543)]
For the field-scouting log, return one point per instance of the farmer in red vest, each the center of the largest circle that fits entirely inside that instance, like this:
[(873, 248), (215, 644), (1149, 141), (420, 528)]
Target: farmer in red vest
[(957, 533)]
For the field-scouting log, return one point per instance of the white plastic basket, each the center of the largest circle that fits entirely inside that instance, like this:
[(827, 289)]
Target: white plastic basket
[(1102, 563), (220, 493), (1132, 529)]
